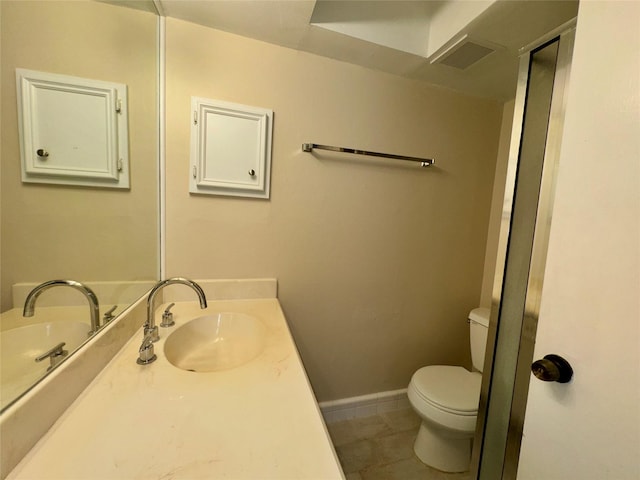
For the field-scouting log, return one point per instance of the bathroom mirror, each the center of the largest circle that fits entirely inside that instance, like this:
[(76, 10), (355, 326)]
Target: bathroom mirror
[(105, 238)]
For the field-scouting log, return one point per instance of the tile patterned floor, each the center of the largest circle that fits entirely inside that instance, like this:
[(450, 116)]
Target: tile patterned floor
[(381, 448)]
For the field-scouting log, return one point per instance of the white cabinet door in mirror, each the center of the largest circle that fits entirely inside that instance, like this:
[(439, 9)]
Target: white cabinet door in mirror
[(230, 149), (73, 130)]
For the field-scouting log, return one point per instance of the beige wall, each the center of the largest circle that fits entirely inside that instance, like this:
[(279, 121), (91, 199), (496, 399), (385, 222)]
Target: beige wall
[(81, 233), (378, 263)]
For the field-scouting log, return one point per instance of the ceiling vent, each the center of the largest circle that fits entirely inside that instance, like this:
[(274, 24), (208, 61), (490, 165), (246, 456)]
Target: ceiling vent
[(464, 52)]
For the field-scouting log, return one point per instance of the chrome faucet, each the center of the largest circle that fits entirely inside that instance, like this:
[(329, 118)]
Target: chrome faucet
[(30, 302), (146, 354), (150, 325)]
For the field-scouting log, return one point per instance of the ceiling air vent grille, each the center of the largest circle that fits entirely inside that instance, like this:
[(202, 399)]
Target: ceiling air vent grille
[(463, 53)]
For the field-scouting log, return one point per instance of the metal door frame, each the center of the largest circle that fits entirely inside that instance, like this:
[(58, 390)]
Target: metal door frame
[(520, 267)]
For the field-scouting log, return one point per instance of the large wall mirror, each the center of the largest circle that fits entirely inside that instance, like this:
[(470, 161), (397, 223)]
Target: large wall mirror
[(104, 238)]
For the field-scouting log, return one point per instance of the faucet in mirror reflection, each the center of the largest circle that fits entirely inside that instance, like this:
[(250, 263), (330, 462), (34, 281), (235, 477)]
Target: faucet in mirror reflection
[(94, 309), (146, 352), (55, 355), (108, 315)]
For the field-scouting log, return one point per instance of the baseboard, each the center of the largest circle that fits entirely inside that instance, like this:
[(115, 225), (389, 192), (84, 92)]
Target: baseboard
[(364, 406)]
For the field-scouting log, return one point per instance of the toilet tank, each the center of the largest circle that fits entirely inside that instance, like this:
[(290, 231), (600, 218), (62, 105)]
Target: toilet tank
[(478, 328)]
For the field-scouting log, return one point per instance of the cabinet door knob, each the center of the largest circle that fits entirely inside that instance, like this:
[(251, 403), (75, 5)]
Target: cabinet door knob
[(41, 152), (252, 172), (552, 368)]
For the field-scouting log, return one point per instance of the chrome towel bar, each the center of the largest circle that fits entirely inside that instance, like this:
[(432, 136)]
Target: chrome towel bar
[(424, 162)]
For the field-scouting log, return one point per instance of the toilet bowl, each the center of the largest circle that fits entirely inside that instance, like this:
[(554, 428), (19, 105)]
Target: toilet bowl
[(446, 398)]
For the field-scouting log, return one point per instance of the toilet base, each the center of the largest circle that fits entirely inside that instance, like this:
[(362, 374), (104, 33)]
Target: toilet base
[(438, 450)]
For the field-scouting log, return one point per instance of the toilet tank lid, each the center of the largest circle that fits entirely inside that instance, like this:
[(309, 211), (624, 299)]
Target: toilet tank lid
[(480, 315)]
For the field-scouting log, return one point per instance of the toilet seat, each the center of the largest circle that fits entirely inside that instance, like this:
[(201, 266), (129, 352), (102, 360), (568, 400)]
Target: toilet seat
[(446, 395)]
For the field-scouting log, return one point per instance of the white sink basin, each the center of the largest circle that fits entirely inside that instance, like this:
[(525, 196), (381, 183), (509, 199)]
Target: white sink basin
[(216, 342)]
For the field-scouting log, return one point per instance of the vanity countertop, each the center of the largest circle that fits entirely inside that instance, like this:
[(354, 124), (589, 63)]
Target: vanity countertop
[(257, 421)]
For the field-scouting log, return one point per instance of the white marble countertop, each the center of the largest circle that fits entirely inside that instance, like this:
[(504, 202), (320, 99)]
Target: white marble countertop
[(257, 421)]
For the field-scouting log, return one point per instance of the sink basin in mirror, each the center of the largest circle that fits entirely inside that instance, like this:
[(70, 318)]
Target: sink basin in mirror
[(216, 342), (19, 347)]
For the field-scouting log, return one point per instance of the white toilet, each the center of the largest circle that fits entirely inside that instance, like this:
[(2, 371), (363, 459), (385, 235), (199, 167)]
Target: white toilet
[(446, 399)]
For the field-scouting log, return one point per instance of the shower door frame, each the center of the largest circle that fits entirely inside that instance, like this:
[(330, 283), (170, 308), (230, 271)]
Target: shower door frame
[(520, 267)]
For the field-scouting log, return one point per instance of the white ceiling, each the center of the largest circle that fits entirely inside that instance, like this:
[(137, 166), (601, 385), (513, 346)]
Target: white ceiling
[(395, 36)]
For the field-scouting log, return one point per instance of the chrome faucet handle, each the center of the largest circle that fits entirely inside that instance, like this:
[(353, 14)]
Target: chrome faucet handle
[(108, 315), (152, 332), (146, 353), (55, 355), (167, 317)]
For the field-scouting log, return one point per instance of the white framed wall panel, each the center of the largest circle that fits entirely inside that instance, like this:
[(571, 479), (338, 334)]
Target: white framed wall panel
[(72, 130), (230, 149)]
